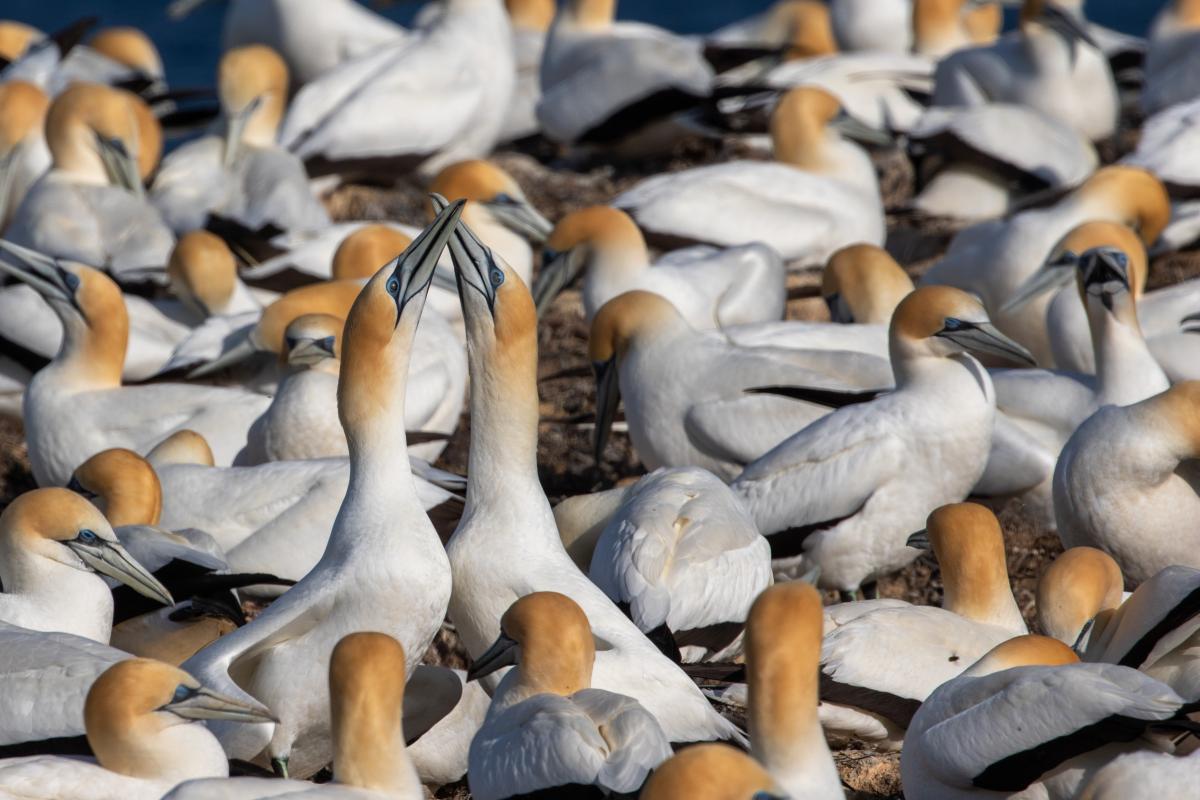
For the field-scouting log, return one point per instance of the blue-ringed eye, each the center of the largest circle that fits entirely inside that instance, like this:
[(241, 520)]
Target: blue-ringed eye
[(496, 275), (393, 286), (71, 280), (182, 693), (87, 537), (952, 324), (504, 199)]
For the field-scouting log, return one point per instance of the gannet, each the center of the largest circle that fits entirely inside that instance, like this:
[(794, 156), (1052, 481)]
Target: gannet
[(686, 560), (975, 736), (143, 722), (977, 162), (687, 393), (302, 420), (460, 72), (384, 567), (1124, 483), (710, 772), (939, 27), (181, 447), (203, 276), (1078, 585), (1051, 64), (1042, 408), (1164, 148), (131, 48), (820, 194), (1171, 63), (54, 543), (801, 29), (507, 511), (783, 645), (366, 696), (992, 259), (710, 287), (845, 492), (24, 156), (15, 38), (313, 36), (547, 730), (240, 174), (863, 284), (90, 206), (530, 22), (616, 84), (77, 406), (869, 695)]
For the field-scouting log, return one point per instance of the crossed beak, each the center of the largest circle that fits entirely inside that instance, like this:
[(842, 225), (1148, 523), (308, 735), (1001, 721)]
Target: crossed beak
[(475, 268), (110, 558)]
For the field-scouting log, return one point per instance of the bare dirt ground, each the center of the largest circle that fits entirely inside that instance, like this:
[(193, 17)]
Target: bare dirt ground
[(564, 451)]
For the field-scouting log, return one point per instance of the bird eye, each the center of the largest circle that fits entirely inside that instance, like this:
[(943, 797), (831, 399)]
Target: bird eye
[(71, 280), (953, 324), (504, 199), (496, 275), (393, 287), (182, 693), (87, 537)]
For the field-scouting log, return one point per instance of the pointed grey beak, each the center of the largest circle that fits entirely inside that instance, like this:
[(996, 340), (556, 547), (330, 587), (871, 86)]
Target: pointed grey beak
[(1052, 276), (43, 274), (120, 165), (608, 396), (413, 270), (1081, 640), (475, 268), (310, 351), (1067, 25), (242, 348), (235, 126), (518, 215), (504, 652), (918, 541), (982, 338), (851, 128), (1105, 273), (110, 558), (559, 270), (200, 703)]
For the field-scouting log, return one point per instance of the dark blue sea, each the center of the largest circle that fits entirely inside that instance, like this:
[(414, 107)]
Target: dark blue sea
[(190, 47)]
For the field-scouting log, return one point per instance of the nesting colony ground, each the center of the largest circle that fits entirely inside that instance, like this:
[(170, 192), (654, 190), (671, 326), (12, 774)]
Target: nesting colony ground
[(567, 391)]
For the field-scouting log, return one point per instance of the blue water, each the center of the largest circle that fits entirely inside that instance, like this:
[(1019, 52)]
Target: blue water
[(190, 47)]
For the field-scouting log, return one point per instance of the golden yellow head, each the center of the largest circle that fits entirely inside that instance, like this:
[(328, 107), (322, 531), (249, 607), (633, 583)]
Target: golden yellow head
[(23, 109), (597, 227), (131, 47), (1030, 650), (334, 298), (54, 514), (799, 125), (969, 547), (183, 447), (15, 38), (254, 74), (804, 26), (82, 112), (555, 640), (783, 653), (126, 487), (311, 338), (862, 283), (923, 313), (1108, 234), (1135, 194), (366, 697), (1077, 586), (365, 250), (624, 318), (475, 179), (709, 772), (202, 269)]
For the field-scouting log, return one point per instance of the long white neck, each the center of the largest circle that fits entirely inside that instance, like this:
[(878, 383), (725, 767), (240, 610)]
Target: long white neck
[(1126, 370), (504, 435), (611, 270)]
